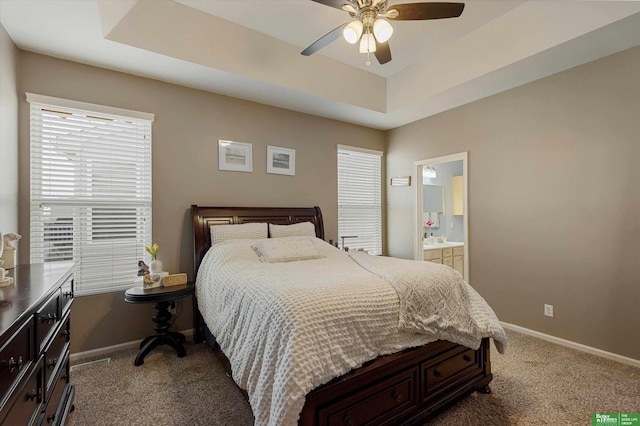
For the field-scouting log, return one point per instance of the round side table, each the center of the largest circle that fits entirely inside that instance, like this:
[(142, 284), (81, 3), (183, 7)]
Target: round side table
[(161, 297)]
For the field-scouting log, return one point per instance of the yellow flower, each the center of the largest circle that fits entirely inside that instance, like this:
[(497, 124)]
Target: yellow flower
[(152, 250)]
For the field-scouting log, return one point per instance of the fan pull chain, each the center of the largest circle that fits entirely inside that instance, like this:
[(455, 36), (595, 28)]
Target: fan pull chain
[(368, 62)]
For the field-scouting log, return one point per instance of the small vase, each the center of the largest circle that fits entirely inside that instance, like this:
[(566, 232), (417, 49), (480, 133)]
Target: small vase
[(155, 266)]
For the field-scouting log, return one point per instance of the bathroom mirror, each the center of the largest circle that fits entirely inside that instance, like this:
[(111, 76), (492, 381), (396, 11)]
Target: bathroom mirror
[(433, 198), (432, 206), (431, 220)]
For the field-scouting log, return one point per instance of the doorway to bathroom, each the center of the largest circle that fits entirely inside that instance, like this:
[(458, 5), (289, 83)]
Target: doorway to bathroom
[(441, 212)]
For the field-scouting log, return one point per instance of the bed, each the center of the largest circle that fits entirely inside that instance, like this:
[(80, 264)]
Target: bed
[(407, 386)]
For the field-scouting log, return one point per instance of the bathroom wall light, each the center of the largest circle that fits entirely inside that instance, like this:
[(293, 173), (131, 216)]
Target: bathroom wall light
[(429, 172)]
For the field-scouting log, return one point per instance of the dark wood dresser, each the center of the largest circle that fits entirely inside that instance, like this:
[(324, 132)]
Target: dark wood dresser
[(34, 345)]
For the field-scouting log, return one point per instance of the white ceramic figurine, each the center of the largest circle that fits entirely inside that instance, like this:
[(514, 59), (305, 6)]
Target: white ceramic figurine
[(4, 280), (9, 255)]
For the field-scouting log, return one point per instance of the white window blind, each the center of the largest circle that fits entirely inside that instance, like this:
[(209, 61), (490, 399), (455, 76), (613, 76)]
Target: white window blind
[(90, 192), (360, 198)]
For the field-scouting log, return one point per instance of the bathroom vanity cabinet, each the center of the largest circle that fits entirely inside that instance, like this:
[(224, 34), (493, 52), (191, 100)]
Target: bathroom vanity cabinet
[(452, 256)]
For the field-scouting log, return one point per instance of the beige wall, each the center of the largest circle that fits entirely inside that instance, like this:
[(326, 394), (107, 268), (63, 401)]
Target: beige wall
[(543, 228), (188, 124), (8, 134), (554, 199)]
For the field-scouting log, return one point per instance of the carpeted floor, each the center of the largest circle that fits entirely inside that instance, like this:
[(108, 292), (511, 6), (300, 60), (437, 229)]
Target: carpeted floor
[(535, 383)]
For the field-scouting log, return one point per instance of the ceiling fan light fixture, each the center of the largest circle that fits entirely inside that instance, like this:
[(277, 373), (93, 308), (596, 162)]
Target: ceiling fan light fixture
[(352, 32), (382, 30), (369, 23), (349, 8), (367, 43)]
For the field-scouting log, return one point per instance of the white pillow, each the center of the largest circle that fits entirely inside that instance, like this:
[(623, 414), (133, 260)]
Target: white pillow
[(302, 229), (286, 250), (245, 231)]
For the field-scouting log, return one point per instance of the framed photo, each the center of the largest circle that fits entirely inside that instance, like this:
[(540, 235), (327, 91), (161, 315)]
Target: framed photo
[(281, 161), (234, 156)]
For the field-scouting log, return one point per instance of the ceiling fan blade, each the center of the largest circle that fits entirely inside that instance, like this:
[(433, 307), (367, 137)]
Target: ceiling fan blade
[(420, 11), (332, 3), (383, 53), (324, 41)]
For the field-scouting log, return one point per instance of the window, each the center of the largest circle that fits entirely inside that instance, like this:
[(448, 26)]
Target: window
[(90, 190), (360, 198)]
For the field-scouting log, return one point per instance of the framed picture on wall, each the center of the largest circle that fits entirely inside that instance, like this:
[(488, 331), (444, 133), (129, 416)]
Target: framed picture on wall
[(234, 156), (281, 161)]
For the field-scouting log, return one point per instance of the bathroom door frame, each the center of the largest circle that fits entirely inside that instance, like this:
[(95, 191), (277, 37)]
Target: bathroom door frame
[(418, 251)]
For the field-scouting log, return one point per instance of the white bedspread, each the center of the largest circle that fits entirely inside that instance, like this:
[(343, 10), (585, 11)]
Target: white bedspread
[(287, 328), (436, 301)]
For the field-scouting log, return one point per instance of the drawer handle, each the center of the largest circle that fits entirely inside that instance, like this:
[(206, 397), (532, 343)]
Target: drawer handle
[(348, 420), (13, 364), (65, 378), (437, 373), (34, 394), (466, 358), (49, 318), (66, 333), (396, 395), (52, 362), (68, 294), (51, 418)]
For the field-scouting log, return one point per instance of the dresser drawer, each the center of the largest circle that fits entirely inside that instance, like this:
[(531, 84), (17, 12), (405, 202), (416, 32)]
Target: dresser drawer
[(56, 352), (54, 408), (447, 252), (384, 402), (27, 400), (16, 354), (66, 296), (47, 319), (456, 365), (458, 251), (448, 261)]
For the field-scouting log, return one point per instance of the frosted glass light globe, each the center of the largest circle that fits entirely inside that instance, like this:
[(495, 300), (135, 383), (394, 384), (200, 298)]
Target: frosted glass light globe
[(382, 30), (352, 32)]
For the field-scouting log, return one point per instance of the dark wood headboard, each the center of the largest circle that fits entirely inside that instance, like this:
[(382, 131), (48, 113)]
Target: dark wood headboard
[(204, 217)]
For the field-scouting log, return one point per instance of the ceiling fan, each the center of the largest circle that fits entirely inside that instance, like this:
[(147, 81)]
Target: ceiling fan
[(369, 25)]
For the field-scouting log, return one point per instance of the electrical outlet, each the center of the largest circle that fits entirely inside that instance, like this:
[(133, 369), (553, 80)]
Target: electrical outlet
[(548, 310)]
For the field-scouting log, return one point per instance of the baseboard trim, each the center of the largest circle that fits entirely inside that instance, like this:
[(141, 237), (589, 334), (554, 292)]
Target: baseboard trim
[(562, 342), (93, 353)]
